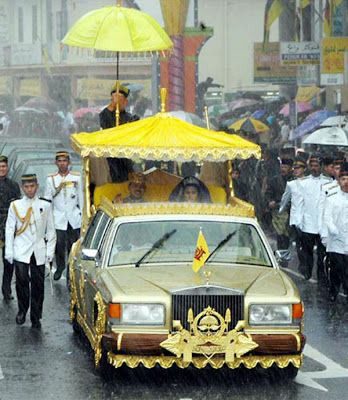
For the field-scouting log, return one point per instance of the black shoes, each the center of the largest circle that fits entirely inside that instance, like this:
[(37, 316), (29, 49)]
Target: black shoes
[(57, 275), (36, 324), (20, 318), (8, 298)]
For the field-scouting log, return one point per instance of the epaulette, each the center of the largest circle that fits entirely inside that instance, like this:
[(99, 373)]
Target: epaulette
[(331, 194), (75, 173), (326, 183), (48, 201), (53, 174)]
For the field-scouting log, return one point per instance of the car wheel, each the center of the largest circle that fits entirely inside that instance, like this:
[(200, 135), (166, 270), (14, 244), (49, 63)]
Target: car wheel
[(288, 373), (105, 369), (75, 325)]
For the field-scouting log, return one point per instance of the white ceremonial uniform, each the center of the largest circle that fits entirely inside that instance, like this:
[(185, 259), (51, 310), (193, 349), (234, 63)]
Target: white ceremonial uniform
[(66, 195), (309, 198), (292, 194), (327, 190), (39, 235), (335, 223)]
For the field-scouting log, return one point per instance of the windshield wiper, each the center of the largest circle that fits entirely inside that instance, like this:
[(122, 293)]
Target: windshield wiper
[(220, 245), (157, 245)]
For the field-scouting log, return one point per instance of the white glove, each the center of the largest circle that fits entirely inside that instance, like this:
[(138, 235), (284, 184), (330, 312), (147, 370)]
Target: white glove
[(9, 259)]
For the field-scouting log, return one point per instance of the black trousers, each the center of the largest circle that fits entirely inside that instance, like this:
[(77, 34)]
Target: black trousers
[(65, 239), (30, 285), (297, 234), (338, 273), (308, 241), (6, 276)]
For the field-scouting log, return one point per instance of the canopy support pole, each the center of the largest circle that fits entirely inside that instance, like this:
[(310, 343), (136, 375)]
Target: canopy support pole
[(86, 192), (230, 193)]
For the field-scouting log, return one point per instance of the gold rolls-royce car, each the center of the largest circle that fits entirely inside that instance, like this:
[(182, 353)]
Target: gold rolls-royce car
[(139, 301)]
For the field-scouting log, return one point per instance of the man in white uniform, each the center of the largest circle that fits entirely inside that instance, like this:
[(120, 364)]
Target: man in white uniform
[(30, 243), (292, 195), (64, 189), (308, 221), (335, 235)]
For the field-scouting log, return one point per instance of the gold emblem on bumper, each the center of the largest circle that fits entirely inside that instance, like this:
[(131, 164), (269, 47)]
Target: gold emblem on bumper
[(208, 336)]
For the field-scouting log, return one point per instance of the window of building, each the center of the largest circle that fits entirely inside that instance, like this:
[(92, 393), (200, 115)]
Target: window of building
[(20, 25), (34, 23)]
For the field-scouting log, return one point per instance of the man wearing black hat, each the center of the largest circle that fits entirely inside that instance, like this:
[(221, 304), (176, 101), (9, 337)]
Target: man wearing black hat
[(30, 243), (335, 234), (291, 195), (308, 221), (119, 167), (274, 193), (64, 190), (9, 191)]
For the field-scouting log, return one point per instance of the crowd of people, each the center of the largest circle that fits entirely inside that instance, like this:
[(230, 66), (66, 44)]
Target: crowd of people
[(303, 199)]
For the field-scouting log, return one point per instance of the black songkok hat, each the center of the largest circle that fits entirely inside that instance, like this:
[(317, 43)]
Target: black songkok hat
[(314, 158), (327, 160), (344, 169), (3, 159), (299, 162), (287, 161), (28, 178)]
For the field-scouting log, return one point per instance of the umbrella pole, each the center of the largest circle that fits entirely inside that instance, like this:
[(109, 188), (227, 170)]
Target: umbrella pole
[(117, 64), (117, 104)]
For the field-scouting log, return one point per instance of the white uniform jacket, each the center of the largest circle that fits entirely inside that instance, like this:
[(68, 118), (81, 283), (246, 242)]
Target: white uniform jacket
[(335, 223), (327, 189), (30, 229), (66, 195), (292, 195), (309, 198)]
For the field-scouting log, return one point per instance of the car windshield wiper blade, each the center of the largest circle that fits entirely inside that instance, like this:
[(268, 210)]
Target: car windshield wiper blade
[(220, 245), (157, 245)]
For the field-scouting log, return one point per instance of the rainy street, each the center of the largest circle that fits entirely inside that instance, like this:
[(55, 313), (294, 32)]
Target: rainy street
[(56, 364)]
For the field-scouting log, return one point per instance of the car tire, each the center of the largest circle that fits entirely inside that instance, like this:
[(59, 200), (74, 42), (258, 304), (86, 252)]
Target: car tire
[(106, 370), (286, 374)]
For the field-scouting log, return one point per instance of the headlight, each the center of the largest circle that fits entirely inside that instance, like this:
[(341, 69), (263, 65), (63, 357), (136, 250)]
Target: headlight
[(270, 314), (142, 314)]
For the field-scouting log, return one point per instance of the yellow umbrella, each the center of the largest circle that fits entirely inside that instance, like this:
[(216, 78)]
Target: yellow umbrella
[(118, 29), (250, 125), (164, 137)]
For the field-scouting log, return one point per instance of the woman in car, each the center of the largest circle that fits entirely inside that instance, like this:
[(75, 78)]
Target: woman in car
[(190, 190)]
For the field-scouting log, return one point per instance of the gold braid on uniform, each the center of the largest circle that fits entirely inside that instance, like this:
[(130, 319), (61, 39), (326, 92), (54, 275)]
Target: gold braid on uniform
[(58, 188), (24, 220)]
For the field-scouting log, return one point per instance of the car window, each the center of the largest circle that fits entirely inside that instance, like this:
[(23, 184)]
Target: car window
[(132, 240), (96, 231)]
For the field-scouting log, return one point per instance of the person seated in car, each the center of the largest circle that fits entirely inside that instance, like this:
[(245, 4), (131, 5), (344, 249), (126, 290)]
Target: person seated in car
[(136, 188), (190, 190)]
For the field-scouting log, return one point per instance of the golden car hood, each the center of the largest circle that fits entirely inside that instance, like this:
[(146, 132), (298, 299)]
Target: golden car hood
[(150, 282)]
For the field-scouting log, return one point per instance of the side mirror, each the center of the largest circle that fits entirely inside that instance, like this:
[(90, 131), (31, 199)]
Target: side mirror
[(89, 254)]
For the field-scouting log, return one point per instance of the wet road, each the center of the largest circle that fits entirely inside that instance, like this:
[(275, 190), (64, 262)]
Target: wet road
[(55, 364)]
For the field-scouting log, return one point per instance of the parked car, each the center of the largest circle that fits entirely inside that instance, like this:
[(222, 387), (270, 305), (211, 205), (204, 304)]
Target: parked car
[(41, 167)]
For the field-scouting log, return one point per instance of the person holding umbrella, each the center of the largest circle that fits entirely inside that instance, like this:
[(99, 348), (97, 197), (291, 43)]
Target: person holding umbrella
[(120, 168)]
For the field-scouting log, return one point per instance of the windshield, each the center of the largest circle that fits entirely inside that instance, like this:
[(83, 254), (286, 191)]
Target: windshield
[(132, 240)]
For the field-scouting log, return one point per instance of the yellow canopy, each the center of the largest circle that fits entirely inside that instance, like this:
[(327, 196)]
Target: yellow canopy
[(118, 29), (163, 137)]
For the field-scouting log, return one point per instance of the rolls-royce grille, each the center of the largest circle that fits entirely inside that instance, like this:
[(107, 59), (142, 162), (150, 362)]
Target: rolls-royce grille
[(181, 303)]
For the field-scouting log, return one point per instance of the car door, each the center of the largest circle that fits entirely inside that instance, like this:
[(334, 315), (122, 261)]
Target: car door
[(88, 268)]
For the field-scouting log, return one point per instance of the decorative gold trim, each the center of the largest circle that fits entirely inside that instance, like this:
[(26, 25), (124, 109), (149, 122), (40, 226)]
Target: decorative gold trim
[(100, 324), (199, 362), (119, 341), (209, 336), (237, 208), (86, 192), (298, 341)]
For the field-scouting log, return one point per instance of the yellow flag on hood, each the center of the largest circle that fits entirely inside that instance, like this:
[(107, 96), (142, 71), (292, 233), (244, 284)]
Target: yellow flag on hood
[(201, 253)]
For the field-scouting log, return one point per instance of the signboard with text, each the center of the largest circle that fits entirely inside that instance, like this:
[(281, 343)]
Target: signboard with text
[(333, 49), (299, 53), (267, 68)]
